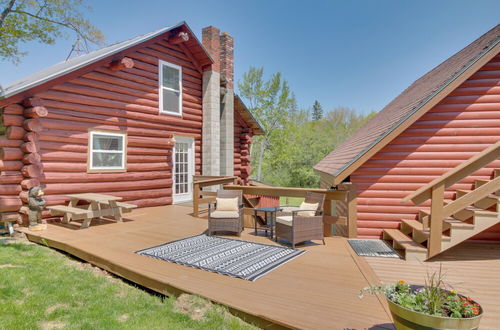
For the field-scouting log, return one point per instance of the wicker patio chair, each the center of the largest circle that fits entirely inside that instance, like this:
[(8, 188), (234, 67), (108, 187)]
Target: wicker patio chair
[(226, 221), (296, 227)]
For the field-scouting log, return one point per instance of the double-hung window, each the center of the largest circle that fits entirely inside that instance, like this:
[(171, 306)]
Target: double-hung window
[(170, 91), (107, 151)]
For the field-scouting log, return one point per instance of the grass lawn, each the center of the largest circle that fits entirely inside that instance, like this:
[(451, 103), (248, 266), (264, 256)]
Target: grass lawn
[(41, 288), (291, 201)]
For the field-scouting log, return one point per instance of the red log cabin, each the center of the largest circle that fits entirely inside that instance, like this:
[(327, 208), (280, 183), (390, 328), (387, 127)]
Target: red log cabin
[(136, 119), (439, 122)]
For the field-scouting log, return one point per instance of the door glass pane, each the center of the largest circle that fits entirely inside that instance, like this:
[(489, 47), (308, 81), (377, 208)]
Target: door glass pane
[(182, 168)]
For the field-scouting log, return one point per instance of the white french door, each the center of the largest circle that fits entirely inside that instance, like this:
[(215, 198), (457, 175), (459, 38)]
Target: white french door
[(183, 169)]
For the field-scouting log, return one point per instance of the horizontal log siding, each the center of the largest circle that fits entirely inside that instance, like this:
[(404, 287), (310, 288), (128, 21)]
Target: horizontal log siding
[(242, 134), (125, 100), (461, 125)]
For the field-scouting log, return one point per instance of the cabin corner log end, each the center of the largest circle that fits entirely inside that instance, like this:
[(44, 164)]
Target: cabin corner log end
[(19, 154), (178, 38), (121, 64)]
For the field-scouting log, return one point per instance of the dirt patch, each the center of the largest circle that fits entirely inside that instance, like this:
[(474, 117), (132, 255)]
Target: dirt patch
[(194, 306), (121, 294), (52, 325), (123, 318), (10, 266), (27, 292), (52, 308)]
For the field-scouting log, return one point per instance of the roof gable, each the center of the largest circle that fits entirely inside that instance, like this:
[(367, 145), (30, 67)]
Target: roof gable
[(417, 99), (66, 67)]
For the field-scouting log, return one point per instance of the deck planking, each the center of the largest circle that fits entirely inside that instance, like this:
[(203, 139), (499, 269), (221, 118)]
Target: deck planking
[(318, 290), (471, 268)]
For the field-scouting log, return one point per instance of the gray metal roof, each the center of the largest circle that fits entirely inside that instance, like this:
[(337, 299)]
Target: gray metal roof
[(76, 63)]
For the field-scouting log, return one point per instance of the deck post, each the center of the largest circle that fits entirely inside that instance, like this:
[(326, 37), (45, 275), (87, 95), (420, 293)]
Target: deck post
[(327, 211), (436, 220), (196, 197), (352, 213)]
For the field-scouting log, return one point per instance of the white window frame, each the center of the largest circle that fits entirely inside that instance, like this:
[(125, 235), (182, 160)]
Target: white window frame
[(161, 88), (91, 151)]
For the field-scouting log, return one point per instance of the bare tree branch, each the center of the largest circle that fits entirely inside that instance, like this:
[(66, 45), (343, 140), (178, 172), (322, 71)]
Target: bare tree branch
[(65, 24)]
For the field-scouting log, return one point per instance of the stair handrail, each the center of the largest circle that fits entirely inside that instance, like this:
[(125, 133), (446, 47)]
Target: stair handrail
[(456, 174), (436, 188)]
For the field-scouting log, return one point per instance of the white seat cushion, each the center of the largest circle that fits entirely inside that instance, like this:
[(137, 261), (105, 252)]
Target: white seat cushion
[(285, 220), (309, 209), (225, 214), (289, 209), (227, 204)]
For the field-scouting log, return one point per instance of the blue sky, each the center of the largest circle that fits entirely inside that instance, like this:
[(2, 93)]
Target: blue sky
[(358, 54)]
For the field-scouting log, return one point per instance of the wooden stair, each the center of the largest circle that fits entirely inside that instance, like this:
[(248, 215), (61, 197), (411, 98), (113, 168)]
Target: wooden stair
[(411, 240)]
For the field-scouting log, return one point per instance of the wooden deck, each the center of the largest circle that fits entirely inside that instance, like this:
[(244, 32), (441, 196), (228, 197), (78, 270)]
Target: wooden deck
[(472, 269), (318, 290)]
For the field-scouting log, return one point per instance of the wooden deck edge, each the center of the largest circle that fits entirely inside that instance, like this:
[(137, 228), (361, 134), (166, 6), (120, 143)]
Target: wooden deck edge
[(152, 284), (369, 274)]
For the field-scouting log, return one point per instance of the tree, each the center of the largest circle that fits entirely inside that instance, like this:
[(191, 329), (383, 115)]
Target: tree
[(317, 113), (269, 101), (303, 143), (42, 20)]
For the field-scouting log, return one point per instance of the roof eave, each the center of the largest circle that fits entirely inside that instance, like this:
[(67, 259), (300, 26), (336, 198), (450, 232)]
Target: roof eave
[(10, 93), (348, 168)]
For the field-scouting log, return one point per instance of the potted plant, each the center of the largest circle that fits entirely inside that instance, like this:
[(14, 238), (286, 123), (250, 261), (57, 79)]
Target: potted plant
[(432, 306)]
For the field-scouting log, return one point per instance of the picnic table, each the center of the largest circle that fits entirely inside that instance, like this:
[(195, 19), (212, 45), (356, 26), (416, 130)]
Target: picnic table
[(99, 206)]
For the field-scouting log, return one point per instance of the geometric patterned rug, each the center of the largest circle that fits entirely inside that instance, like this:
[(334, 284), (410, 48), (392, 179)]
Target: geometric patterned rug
[(235, 258)]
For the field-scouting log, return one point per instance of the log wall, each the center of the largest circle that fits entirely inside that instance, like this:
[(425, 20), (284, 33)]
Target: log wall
[(461, 125), (52, 148), (242, 141)]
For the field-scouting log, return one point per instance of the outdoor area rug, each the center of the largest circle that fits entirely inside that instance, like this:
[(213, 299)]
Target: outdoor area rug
[(372, 248), (235, 258)]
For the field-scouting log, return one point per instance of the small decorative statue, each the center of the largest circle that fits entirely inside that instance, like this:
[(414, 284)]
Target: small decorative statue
[(36, 204)]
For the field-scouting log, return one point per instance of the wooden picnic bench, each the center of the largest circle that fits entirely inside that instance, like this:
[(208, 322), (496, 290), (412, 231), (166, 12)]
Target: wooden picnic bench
[(100, 206)]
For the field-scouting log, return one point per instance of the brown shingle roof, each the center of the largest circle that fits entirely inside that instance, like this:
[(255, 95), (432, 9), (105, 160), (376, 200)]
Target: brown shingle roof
[(408, 102)]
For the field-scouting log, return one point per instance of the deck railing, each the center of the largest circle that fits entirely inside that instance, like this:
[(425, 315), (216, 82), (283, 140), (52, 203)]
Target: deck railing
[(435, 191), (339, 208), (201, 196)]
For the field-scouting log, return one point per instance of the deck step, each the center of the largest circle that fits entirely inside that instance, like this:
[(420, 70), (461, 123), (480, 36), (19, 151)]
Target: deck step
[(487, 202), (479, 183), (467, 213), (461, 192), (404, 244), (454, 223), (419, 234)]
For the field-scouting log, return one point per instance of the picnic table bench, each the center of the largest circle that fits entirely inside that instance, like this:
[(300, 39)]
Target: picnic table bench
[(100, 206)]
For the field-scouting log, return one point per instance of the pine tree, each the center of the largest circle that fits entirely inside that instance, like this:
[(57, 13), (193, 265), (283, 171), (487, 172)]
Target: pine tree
[(317, 113)]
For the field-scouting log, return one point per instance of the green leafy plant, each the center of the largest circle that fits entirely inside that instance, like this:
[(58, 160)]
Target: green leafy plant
[(432, 299)]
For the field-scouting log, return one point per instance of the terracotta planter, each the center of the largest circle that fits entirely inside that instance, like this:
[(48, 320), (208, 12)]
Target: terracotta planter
[(405, 318)]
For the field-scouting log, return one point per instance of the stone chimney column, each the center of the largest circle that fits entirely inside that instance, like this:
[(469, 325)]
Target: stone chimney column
[(211, 105), (227, 105)]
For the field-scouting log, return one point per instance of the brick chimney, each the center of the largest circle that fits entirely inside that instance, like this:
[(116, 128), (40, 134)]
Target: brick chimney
[(221, 48)]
